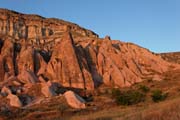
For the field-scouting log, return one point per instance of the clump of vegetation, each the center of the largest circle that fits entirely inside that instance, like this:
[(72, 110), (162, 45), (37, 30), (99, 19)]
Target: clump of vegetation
[(158, 95), (144, 88), (115, 93), (129, 97)]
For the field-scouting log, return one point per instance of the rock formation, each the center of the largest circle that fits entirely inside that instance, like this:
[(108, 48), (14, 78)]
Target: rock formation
[(14, 100), (173, 57), (47, 89), (36, 50), (74, 100)]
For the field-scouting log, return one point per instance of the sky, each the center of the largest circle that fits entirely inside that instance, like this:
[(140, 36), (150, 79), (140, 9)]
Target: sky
[(153, 24)]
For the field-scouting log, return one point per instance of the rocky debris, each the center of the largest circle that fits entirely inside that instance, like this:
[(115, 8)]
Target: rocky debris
[(14, 100), (74, 100)]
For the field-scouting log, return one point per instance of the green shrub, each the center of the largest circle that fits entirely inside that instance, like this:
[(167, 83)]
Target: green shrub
[(158, 95), (144, 88), (115, 92), (129, 97)]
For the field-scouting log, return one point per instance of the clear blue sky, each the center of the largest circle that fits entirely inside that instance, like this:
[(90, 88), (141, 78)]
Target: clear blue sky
[(154, 24)]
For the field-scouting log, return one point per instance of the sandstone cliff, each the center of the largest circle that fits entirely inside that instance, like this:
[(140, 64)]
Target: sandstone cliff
[(34, 49)]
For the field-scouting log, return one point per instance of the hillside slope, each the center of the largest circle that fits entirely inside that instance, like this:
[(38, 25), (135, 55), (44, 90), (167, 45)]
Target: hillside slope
[(173, 57), (43, 58)]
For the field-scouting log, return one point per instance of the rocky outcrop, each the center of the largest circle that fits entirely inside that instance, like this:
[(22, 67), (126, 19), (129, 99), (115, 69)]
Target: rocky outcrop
[(74, 100), (2, 72), (48, 89), (6, 91), (36, 50), (14, 100), (173, 57), (27, 77), (38, 30), (64, 65)]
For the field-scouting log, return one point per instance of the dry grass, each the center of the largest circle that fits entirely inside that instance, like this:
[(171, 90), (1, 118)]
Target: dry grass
[(168, 110)]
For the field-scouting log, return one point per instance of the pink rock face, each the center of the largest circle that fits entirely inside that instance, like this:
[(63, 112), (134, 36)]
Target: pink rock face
[(7, 53), (25, 59), (74, 100), (35, 49), (65, 67)]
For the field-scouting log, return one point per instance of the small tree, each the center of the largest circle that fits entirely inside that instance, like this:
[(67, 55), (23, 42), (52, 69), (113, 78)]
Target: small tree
[(144, 88)]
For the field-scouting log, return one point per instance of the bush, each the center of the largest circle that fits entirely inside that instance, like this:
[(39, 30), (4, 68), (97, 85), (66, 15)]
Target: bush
[(115, 93), (158, 95), (129, 97), (144, 88)]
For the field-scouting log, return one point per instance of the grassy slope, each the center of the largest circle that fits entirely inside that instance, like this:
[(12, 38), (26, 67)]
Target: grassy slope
[(167, 110), (148, 110)]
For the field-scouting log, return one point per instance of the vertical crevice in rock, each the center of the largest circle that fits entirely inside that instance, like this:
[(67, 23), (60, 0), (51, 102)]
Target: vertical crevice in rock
[(17, 48), (2, 72)]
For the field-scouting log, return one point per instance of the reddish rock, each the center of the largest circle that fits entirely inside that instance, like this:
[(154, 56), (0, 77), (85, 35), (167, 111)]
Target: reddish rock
[(74, 100), (27, 77), (25, 59), (14, 100), (64, 65), (2, 72), (7, 52), (47, 89), (55, 50), (6, 91)]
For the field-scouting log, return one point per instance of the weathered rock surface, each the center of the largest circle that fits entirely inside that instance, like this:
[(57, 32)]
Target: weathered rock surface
[(47, 89), (173, 57), (14, 100), (27, 77), (35, 52), (65, 66), (38, 30), (84, 61), (74, 100)]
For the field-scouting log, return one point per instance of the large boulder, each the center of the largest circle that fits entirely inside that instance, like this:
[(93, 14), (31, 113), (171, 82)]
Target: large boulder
[(74, 100), (14, 100)]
